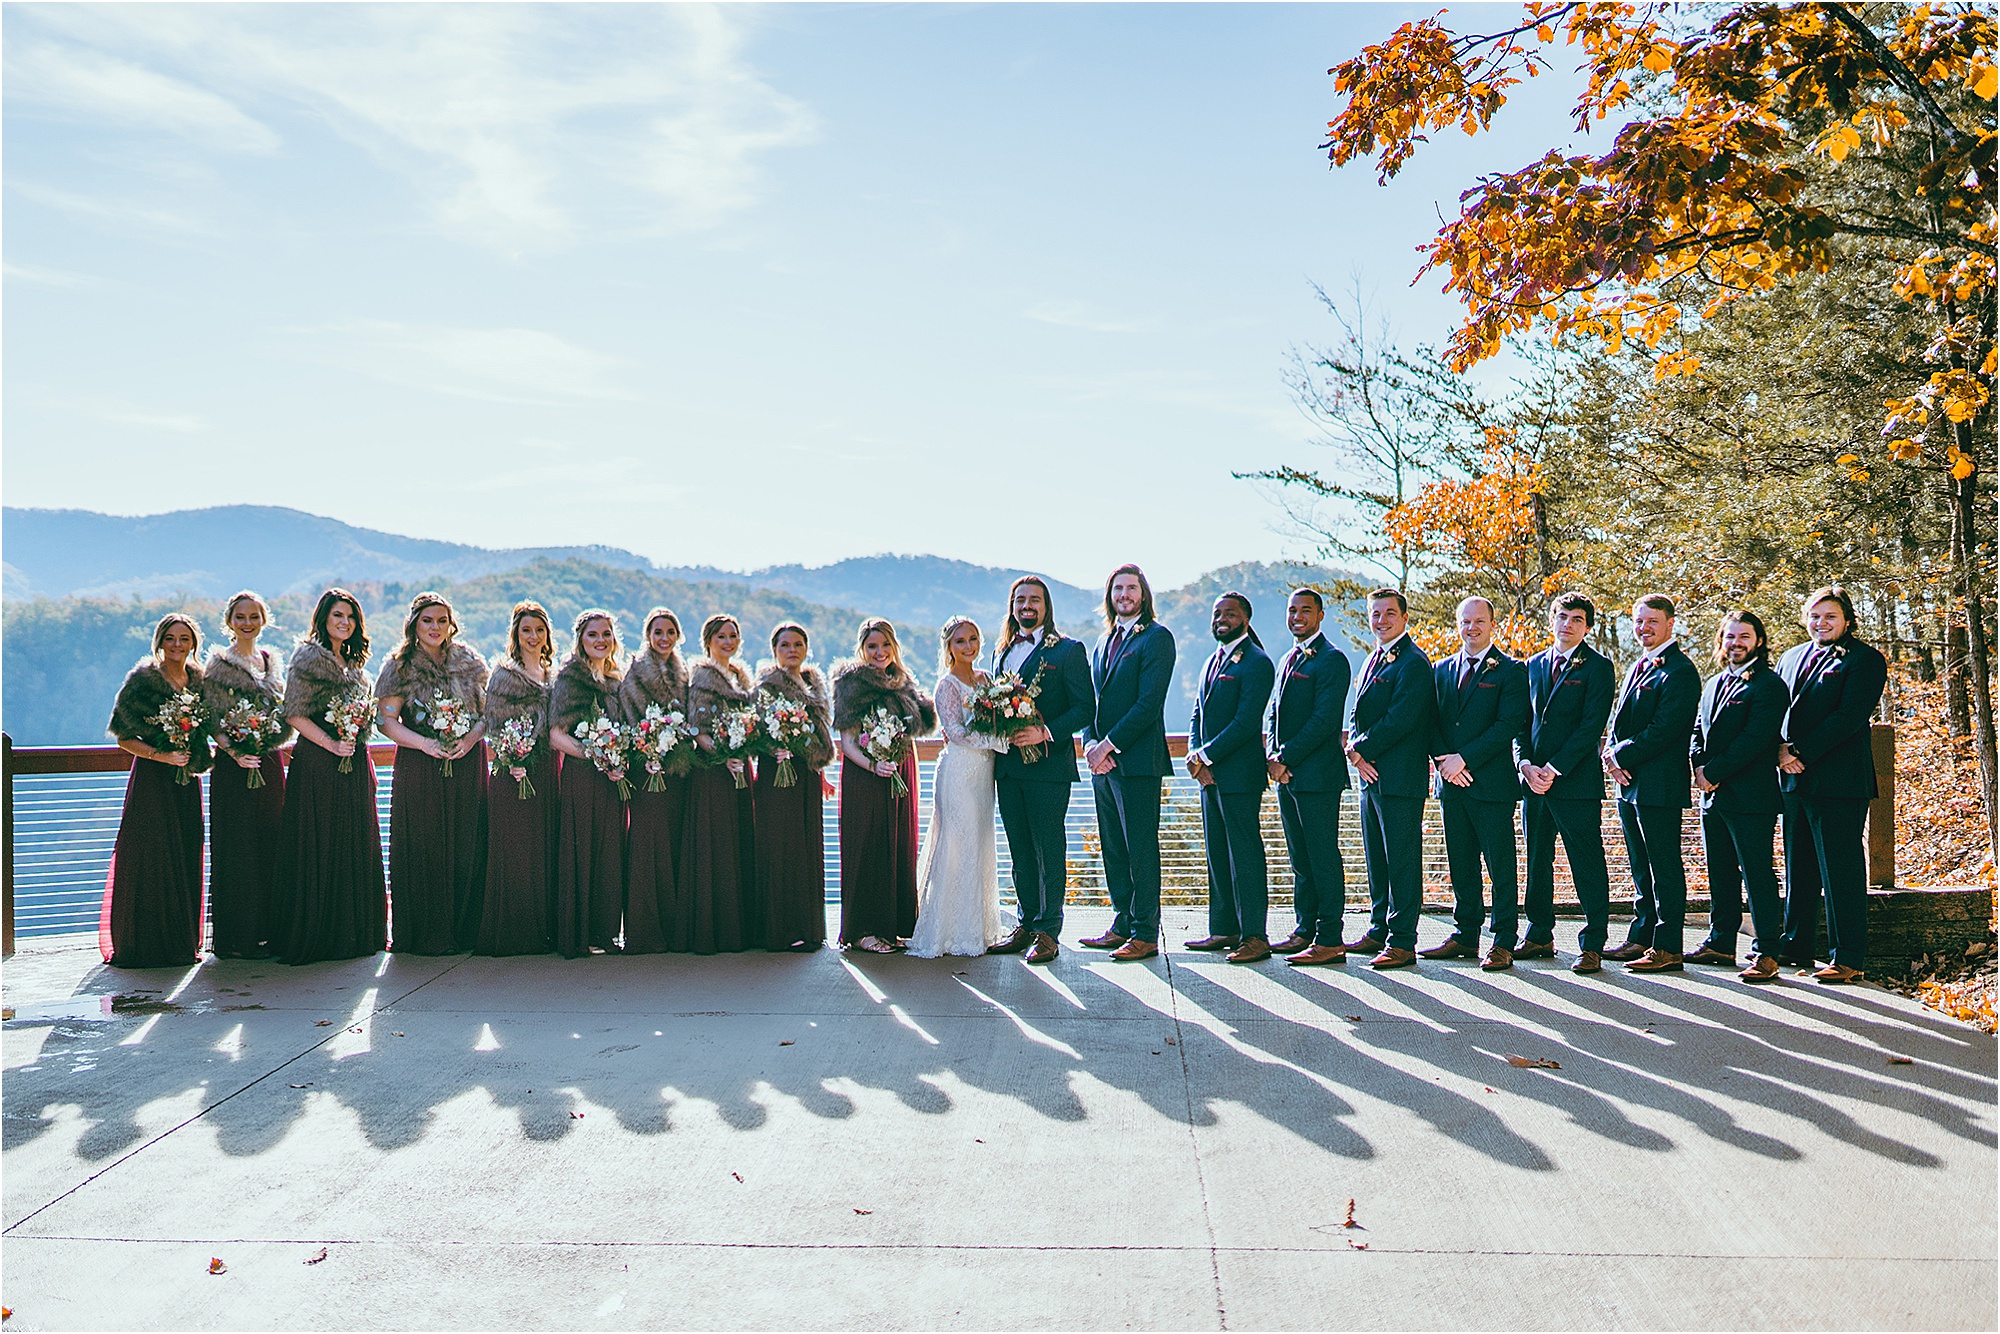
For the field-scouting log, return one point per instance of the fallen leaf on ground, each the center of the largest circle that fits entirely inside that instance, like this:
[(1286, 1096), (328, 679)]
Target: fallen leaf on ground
[(322, 1023), (959, 973), (6, 1312), (1489, 1089), (308, 1084), (737, 1175), (1156, 1053), (1173, 1042), (787, 1042), (864, 1211), (1350, 1215), (355, 1029), (398, 1033), (1352, 1018), (215, 1265), (1533, 1063), (1357, 1245), (316, 1256), (1901, 1060), (978, 1141), (576, 1116)]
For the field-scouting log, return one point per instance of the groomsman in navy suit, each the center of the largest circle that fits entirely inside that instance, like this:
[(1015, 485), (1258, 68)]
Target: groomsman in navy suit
[(1648, 758), (1034, 796), (1827, 770), (1389, 747), (1226, 757), (1482, 710), (1126, 749), (1735, 757), (1560, 760), (1303, 745)]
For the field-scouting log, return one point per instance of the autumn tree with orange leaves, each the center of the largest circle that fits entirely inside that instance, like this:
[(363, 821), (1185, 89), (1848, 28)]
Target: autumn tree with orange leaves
[(1755, 149)]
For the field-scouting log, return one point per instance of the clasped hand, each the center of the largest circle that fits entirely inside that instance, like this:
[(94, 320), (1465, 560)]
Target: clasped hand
[(1100, 757), (1454, 770)]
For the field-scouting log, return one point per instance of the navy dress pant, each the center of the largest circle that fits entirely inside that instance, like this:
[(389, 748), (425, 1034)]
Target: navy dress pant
[(1319, 880), (1580, 824), (1128, 827), (1392, 842), (1034, 816), (1239, 892), (1659, 877)]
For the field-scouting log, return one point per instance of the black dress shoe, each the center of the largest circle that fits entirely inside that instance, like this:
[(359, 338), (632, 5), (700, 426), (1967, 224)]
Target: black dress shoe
[(1014, 944)]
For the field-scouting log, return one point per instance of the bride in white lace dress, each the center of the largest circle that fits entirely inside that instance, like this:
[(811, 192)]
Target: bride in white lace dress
[(958, 875)]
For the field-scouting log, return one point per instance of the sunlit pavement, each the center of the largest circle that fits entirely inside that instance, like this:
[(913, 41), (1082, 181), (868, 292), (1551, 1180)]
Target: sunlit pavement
[(824, 1141)]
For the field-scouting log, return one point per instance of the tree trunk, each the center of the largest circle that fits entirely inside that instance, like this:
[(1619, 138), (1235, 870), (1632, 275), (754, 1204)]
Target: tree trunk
[(1971, 584)]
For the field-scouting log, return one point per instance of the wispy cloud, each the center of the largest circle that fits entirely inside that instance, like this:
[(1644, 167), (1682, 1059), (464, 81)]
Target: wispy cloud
[(520, 126), (45, 277), (498, 365), (91, 85), (1082, 315), (130, 215), (146, 419)]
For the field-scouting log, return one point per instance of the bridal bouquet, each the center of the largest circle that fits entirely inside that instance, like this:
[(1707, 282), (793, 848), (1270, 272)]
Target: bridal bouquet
[(604, 743), (351, 716), (1005, 705), (449, 717), (513, 744), (252, 727), (736, 737), (660, 740), (179, 721), (885, 736), (789, 727)]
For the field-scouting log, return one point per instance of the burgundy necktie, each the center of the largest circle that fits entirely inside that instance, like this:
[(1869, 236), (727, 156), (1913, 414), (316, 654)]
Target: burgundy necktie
[(1465, 676)]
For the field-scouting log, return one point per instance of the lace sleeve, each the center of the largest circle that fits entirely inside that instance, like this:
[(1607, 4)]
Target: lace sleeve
[(951, 705)]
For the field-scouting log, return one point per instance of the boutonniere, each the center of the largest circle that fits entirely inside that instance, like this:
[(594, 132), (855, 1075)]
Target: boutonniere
[(1236, 657), (1390, 656), (1838, 650), (1051, 639), (1307, 652)]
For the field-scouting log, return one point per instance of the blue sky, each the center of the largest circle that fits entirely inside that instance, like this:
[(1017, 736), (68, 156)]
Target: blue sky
[(740, 285)]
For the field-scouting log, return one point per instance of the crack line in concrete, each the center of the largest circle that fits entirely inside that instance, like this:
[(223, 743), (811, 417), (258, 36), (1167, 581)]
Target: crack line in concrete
[(1194, 1141), (133, 1152)]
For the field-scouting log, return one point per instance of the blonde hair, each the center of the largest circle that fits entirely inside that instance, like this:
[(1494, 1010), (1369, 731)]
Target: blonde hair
[(715, 623), (576, 651), (876, 624), (945, 633), (419, 604), (176, 618), (522, 611), (229, 609)]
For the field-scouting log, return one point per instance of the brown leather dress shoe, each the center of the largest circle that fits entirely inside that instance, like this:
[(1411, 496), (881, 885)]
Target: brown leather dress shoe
[(1134, 950), (1536, 949), (1497, 958), (1365, 945), (1110, 940), (1834, 974), (1590, 961), (1393, 958), (1318, 954), (1453, 948), (1710, 954), (1655, 961), (1625, 953), (1290, 944), (1763, 968), (1252, 950), (1014, 944), (1045, 948), (1215, 943)]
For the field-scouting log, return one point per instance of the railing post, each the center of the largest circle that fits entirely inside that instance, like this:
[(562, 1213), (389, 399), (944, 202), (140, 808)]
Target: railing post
[(7, 839), (1882, 810)]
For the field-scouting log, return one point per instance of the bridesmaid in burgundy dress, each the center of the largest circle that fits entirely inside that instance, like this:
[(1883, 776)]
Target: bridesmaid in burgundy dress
[(878, 826), (791, 848), (590, 853), (437, 807), (244, 913), (655, 677), (152, 897), (330, 843), (718, 853), (518, 914)]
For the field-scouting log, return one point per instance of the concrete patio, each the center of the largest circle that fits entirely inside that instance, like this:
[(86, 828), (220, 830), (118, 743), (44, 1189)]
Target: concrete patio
[(779, 1141)]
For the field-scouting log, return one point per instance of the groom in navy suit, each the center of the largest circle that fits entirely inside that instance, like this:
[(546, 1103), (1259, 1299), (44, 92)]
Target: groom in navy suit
[(1127, 753), (1034, 796)]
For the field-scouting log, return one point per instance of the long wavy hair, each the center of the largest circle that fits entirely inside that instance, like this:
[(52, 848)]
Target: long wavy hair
[(1760, 658), (576, 651), (1146, 614), (871, 626), (1048, 625), (945, 632), (522, 611), (355, 651), (229, 609), (419, 604)]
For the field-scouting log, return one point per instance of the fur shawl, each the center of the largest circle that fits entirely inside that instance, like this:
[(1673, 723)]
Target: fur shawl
[(512, 693), (316, 678), (709, 691), (812, 693), (651, 681), (145, 690), (578, 696), (227, 678), (858, 690), (416, 678)]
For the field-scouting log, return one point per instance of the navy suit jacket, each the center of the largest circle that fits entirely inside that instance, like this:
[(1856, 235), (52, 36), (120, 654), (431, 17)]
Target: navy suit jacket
[(1392, 723), (1302, 729), (1480, 724), (1132, 700), (1566, 720), (1227, 726), (1828, 722), (1065, 703), (1735, 742), (1650, 727)]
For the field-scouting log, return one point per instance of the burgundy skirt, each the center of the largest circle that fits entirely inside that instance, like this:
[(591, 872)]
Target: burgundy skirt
[(244, 825), (878, 854), (791, 858), (717, 872), (590, 860), (152, 897), (330, 860), (518, 914), (437, 852), (652, 845)]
